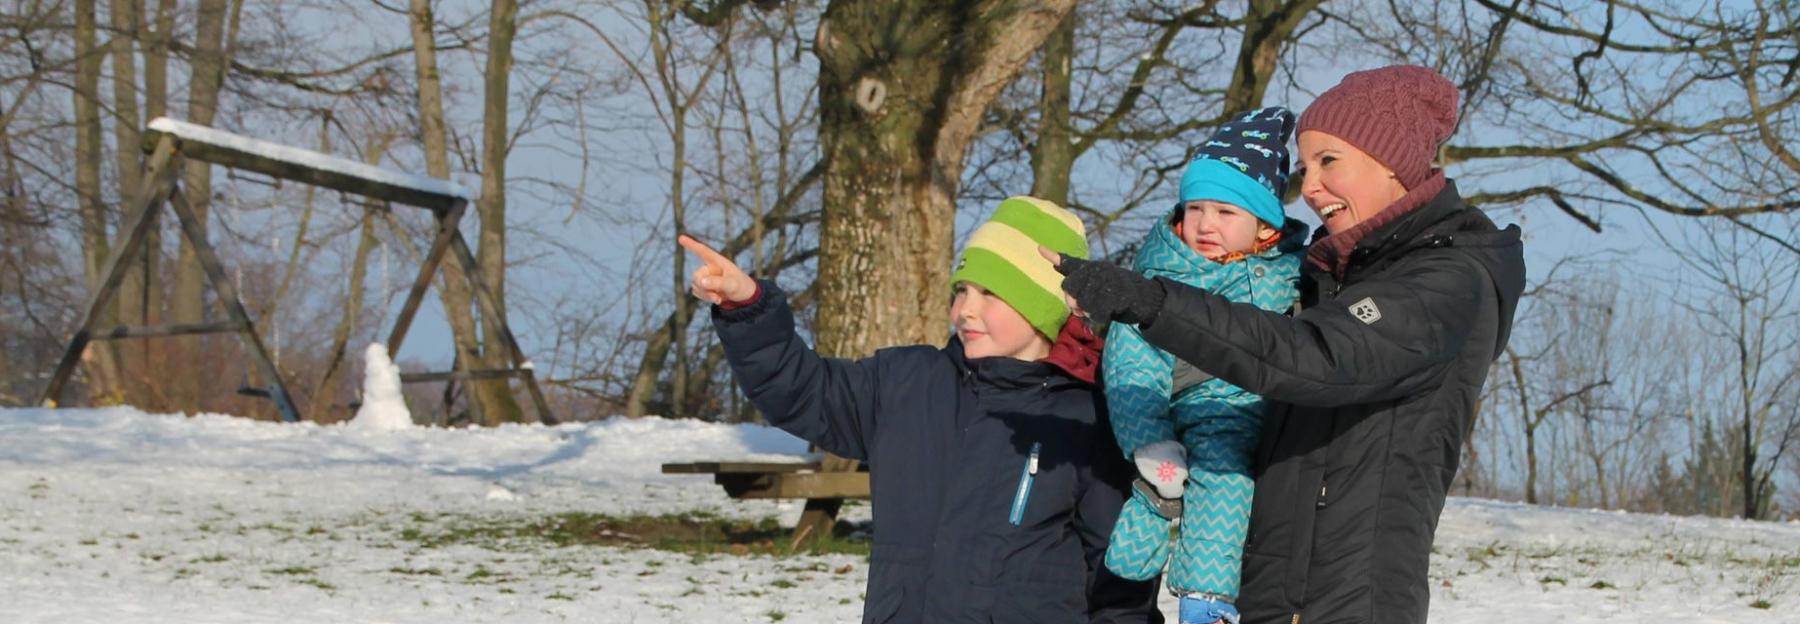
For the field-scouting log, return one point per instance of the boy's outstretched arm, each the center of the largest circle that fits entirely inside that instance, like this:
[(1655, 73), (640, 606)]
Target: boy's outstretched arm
[(829, 402)]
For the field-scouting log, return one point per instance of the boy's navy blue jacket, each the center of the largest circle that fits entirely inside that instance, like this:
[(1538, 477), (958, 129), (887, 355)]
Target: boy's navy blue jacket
[(995, 481)]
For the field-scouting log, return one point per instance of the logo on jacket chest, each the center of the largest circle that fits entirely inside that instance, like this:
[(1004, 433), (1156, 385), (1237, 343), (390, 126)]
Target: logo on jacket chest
[(1366, 311)]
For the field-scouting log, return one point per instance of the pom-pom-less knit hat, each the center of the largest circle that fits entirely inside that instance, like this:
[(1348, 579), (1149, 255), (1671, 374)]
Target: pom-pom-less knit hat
[(1244, 164), (1398, 114), (1002, 257)]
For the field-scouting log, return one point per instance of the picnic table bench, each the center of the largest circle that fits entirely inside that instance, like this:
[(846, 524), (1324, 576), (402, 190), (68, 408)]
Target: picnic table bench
[(824, 485), (777, 479)]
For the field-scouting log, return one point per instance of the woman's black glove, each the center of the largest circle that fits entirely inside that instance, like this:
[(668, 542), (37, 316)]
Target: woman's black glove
[(1108, 293)]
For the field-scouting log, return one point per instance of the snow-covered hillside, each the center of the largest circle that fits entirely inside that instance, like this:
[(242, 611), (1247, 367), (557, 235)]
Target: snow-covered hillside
[(113, 515)]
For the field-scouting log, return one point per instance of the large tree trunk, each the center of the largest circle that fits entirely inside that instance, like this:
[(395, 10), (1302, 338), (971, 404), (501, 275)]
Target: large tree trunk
[(902, 88), (203, 96), (496, 395), (1053, 158), (454, 291), (102, 360)]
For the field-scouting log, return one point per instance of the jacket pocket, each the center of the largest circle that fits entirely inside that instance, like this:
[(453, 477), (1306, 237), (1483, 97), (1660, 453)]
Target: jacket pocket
[(1023, 494)]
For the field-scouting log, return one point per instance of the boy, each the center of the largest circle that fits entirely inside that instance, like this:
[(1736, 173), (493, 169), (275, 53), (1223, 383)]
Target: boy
[(994, 482), (1191, 436)]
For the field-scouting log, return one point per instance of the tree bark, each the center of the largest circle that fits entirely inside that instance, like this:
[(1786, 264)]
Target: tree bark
[(902, 88), (133, 295), (496, 395), (156, 59), (1266, 31), (102, 356), (679, 106), (146, 269), (454, 291), (1053, 159), (203, 95)]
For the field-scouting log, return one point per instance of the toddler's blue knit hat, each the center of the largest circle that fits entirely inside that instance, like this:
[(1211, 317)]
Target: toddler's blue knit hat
[(1244, 164)]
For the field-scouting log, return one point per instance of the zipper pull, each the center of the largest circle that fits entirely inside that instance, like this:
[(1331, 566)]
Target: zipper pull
[(1032, 467)]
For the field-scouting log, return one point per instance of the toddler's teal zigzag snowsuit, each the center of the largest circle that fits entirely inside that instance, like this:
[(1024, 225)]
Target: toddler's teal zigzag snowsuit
[(1152, 397)]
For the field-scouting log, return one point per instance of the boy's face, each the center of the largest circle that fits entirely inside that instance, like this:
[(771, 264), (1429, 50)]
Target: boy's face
[(991, 328), (1216, 229)]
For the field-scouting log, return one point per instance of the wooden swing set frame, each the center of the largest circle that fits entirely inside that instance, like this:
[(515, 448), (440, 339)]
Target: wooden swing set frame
[(169, 141)]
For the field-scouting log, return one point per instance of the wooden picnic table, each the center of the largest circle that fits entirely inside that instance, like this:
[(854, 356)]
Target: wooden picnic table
[(778, 479)]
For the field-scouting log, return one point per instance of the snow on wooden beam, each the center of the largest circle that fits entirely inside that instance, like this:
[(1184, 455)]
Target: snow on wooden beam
[(303, 165)]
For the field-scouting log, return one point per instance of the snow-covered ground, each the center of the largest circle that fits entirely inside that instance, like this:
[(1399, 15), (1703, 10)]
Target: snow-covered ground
[(113, 515)]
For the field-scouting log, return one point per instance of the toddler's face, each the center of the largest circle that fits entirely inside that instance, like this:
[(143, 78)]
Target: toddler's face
[(1217, 229), (991, 328)]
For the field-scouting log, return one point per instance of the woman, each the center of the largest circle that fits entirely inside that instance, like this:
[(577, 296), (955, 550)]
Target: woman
[(1407, 297)]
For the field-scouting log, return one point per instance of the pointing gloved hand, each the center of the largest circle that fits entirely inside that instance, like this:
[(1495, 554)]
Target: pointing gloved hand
[(1106, 293)]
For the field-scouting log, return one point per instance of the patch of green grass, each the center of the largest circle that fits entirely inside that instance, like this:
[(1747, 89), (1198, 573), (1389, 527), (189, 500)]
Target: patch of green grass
[(783, 584), (560, 596), (318, 583), (698, 534), (1481, 555), (417, 571), (1554, 579), (209, 559), (293, 571), (1761, 604), (1602, 585), (776, 616)]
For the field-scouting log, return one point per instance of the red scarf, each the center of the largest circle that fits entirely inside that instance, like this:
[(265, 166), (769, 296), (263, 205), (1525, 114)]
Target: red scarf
[(1076, 351), (1332, 253)]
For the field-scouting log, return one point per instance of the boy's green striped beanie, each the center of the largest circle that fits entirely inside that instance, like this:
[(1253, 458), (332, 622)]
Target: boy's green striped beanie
[(1002, 257)]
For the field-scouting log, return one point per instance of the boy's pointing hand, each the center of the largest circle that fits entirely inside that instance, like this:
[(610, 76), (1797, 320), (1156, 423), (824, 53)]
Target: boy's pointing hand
[(718, 280)]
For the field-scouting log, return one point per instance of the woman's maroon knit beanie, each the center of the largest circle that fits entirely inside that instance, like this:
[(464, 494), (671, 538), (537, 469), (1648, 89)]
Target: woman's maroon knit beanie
[(1398, 114)]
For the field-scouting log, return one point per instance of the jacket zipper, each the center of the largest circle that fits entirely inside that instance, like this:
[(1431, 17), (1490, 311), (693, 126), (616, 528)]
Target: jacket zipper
[(1025, 478)]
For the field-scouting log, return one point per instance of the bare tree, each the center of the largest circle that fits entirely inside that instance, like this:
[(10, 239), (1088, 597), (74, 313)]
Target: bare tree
[(102, 358), (188, 303), (453, 289), (1748, 303), (1628, 121), (898, 112)]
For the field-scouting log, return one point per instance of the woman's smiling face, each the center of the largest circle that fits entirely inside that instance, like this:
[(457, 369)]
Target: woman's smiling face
[(1342, 184)]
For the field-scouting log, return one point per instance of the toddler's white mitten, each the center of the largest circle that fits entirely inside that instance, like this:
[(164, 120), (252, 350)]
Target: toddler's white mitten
[(1164, 465)]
